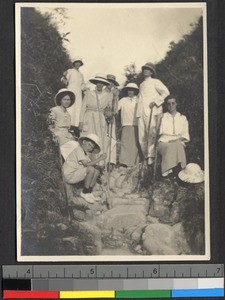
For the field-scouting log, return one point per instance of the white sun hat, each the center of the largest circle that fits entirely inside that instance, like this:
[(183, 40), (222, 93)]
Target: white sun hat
[(99, 78), (95, 139), (192, 174), (131, 86), (61, 93)]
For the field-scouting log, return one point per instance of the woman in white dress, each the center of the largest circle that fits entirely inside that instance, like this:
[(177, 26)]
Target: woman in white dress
[(130, 148), (59, 121), (74, 81), (92, 117), (174, 134)]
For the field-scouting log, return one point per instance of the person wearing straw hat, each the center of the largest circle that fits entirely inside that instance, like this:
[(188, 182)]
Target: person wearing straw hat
[(60, 121), (74, 81), (78, 165), (151, 97), (110, 114), (92, 118), (174, 134), (129, 151)]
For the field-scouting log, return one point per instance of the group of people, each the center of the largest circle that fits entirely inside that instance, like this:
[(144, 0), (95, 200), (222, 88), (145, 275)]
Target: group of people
[(84, 122)]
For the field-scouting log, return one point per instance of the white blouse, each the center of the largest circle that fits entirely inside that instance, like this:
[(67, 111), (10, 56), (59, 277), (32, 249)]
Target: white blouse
[(174, 127), (128, 107)]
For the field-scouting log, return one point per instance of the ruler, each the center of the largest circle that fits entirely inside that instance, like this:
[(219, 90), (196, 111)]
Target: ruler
[(113, 281)]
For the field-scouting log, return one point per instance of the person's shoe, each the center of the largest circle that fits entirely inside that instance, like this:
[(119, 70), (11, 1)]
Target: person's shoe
[(94, 197), (87, 197)]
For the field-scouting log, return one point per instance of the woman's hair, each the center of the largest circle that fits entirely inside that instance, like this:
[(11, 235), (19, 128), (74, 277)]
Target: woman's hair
[(63, 94), (131, 89), (170, 97)]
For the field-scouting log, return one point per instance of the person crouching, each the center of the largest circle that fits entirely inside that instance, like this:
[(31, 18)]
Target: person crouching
[(78, 165)]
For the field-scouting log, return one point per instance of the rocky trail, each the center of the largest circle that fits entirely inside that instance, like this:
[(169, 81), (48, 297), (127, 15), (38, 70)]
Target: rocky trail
[(164, 218), (144, 223)]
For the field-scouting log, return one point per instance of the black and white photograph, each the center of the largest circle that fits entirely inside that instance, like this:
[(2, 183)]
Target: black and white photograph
[(112, 158)]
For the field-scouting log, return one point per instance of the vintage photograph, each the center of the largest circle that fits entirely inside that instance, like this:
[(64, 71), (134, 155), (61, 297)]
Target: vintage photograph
[(112, 132)]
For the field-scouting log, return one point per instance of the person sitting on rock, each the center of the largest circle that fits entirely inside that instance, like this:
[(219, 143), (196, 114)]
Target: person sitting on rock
[(174, 133), (78, 165), (59, 121)]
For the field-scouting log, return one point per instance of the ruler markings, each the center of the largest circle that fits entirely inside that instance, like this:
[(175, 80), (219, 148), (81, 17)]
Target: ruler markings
[(163, 271)]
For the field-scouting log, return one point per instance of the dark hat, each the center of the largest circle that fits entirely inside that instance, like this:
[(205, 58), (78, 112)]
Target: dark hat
[(63, 92), (78, 58), (149, 66), (112, 79)]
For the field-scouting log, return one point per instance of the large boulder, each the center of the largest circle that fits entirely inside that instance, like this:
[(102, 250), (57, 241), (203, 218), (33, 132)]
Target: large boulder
[(129, 200), (123, 217), (162, 195), (162, 239), (91, 237)]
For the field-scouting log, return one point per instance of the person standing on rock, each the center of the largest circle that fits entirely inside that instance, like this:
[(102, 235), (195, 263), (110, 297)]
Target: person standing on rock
[(74, 81), (78, 165), (130, 148), (92, 117), (174, 134), (149, 111), (112, 88)]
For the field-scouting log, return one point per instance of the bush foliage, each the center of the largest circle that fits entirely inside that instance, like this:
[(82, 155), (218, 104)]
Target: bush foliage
[(43, 60), (182, 72)]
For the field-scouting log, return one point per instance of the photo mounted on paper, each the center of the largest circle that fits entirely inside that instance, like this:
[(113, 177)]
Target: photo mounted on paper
[(112, 132)]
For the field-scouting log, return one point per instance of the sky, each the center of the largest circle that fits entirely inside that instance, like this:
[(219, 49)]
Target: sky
[(109, 37)]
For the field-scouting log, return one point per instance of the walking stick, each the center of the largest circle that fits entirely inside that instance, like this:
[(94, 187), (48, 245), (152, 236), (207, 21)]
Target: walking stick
[(103, 149), (100, 122), (64, 183), (148, 132), (156, 148), (109, 152)]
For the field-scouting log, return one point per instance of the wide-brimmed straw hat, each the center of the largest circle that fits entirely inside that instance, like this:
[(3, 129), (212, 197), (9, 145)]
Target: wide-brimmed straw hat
[(149, 66), (131, 86), (99, 78), (63, 92), (95, 139), (112, 79), (192, 174), (78, 58)]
